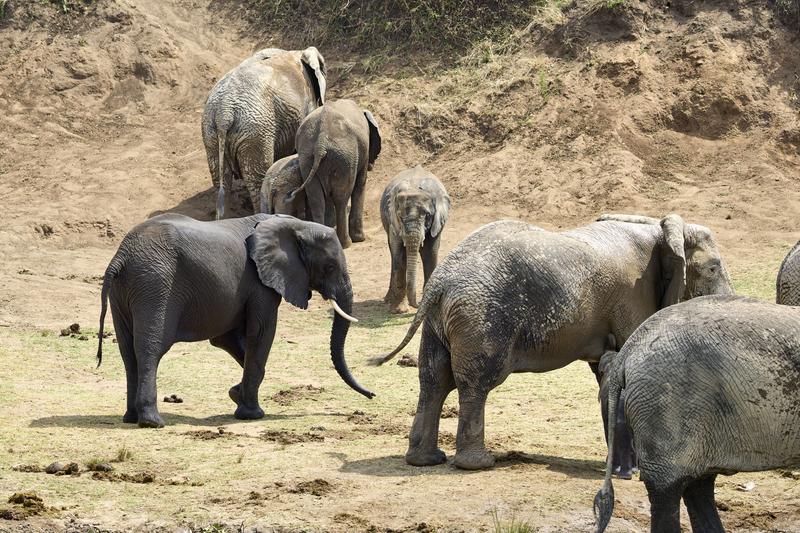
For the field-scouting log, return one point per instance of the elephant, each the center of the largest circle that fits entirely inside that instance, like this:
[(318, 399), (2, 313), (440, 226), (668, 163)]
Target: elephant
[(252, 114), (788, 285), (512, 297), (712, 387), (281, 179), (414, 210), (176, 279), (337, 143), (624, 458)]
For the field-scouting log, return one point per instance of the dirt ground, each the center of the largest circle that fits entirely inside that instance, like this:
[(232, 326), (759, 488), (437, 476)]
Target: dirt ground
[(693, 109)]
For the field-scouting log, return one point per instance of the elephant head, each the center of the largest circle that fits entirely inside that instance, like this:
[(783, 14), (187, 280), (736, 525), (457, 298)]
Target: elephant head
[(294, 257), (314, 66), (374, 139), (691, 264), (415, 211)]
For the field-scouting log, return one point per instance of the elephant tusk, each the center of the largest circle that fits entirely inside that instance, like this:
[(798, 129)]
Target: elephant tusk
[(342, 313)]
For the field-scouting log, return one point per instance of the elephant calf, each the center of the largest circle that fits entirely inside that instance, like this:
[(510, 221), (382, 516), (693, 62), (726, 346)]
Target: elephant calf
[(281, 179), (512, 297), (176, 279), (336, 144), (414, 210), (712, 387), (788, 284)]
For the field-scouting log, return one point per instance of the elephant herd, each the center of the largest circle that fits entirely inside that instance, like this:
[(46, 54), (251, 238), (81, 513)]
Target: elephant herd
[(696, 381)]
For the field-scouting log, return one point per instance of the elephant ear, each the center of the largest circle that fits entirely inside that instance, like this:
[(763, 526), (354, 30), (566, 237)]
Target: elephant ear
[(374, 138), (276, 250), (442, 209), (314, 64), (673, 260)]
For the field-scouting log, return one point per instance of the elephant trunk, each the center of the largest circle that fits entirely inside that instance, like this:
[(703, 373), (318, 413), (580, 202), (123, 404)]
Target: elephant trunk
[(412, 244), (338, 335), (724, 285)]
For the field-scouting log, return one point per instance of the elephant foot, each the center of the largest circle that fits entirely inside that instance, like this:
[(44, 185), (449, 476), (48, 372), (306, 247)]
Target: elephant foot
[(248, 413), (357, 237), (623, 473), (130, 417), (474, 460), (235, 393), (151, 421), (399, 309), (420, 458)]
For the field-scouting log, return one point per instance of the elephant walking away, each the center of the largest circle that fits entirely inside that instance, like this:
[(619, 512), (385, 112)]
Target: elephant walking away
[(512, 297), (176, 279), (712, 387), (414, 210), (252, 114), (788, 284), (337, 144), (281, 179)]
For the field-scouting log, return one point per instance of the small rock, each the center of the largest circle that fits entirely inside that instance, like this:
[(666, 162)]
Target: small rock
[(52, 468), (407, 360), (83, 338), (75, 328), (173, 398), (317, 428), (747, 487), (66, 332), (102, 467)]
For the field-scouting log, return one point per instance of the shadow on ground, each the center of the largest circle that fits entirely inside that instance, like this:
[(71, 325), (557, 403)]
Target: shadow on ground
[(115, 422), (395, 465), (202, 206), (374, 314)]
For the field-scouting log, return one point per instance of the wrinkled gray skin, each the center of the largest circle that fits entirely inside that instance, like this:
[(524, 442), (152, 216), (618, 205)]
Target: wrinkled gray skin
[(281, 179), (176, 279), (512, 297), (624, 458), (788, 284), (252, 115), (712, 387), (414, 210), (337, 144)]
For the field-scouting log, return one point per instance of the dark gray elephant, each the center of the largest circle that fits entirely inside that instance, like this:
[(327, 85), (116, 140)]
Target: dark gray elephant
[(337, 144), (252, 115), (512, 297), (788, 285), (281, 179), (711, 387), (176, 279), (414, 210)]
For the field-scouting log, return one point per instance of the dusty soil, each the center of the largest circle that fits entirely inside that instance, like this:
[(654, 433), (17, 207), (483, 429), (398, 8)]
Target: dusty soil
[(639, 108)]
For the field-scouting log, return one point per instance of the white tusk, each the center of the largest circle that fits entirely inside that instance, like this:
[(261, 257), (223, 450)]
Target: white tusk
[(342, 313)]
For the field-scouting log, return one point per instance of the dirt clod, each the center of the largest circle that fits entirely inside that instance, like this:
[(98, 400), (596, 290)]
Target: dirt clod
[(141, 477), (206, 434), (407, 360), (27, 468), (173, 398), (450, 412), (61, 469), (293, 394), (290, 437), (316, 487), (24, 505)]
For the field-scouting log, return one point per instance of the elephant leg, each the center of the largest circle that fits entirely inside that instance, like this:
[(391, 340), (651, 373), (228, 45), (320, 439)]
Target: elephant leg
[(126, 350), (357, 207), (430, 256), (665, 506), (260, 334), (340, 204), (699, 499), (254, 163), (316, 203), (149, 348), (471, 453), (435, 383), (397, 279), (330, 216), (232, 342), (624, 454)]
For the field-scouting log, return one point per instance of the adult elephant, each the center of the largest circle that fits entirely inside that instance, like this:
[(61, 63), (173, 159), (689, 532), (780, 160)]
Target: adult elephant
[(252, 115), (512, 297), (414, 210), (711, 387), (788, 285), (176, 279), (337, 144)]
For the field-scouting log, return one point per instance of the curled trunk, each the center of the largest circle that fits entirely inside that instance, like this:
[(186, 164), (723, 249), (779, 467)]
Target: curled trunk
[(412, 260), (338, 336)]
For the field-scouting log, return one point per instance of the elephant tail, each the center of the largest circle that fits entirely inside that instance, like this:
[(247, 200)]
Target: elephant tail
[(429, 300), (318, 157), (113, 270), (222, 134), (604, 499)]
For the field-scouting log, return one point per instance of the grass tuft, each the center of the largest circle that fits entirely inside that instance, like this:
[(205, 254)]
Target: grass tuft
[(514, 526), (123, 454)]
